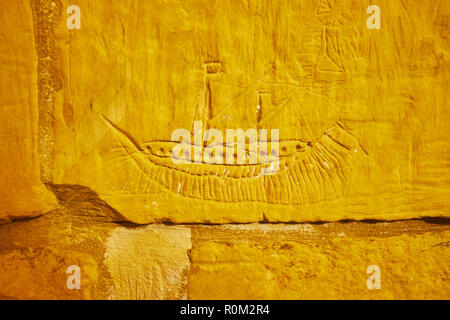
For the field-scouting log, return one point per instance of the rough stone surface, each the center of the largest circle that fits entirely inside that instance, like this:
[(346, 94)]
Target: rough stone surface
[(86, 176), (117, 261), (363, 114), (257, 261), (41, 273), (21, 191), (150, 263), (319, 262)]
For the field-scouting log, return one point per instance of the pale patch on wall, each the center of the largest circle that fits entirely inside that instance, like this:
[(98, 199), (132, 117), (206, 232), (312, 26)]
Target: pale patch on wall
[(149, 263)]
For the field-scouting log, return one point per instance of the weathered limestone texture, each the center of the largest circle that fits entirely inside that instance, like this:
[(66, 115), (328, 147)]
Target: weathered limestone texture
[(116, 261), (358, 174), (21, 191), (150, 263), (40, 273), (363, 114), (320, 261), (256, 261)]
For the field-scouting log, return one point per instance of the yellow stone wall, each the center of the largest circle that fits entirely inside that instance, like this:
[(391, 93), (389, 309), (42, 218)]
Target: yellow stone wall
[(86, 177), (21, 190), (254, 261)]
